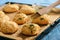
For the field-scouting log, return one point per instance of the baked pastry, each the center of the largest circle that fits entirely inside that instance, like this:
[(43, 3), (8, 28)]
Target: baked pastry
[(3, 16), (10, 8), (21, 18), (30, 29), (42, 20), (27, 9), (3, 19), (8, 27)]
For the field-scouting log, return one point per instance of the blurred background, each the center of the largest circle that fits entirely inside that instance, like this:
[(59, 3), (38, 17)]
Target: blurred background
[(38, 2)]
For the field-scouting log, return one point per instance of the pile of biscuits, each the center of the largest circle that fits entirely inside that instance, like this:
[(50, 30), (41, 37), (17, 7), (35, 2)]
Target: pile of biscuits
[(21, 17), (7, 26)]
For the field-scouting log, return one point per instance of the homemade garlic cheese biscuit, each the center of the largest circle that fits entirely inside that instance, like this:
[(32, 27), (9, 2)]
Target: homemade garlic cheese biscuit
[(8, 27), (20, 18), (2, 14), (30, 29), (27, 9), (42, 20), (3, 17), (10, 8)]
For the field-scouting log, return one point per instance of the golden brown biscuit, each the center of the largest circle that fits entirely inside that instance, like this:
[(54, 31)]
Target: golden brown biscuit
[(2, 14), (20, 18), (8, 27), (3, 17), (30, 29), (42, 20), (10, 8), (27, 9)]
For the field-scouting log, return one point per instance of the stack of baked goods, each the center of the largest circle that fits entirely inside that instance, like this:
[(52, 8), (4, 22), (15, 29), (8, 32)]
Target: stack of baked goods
[(7, 26), (21, 18)]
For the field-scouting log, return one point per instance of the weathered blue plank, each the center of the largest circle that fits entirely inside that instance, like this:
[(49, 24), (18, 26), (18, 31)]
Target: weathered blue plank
[(54, 34)]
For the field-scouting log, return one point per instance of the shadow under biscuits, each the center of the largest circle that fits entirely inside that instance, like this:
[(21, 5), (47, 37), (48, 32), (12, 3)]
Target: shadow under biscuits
[(25, 36)]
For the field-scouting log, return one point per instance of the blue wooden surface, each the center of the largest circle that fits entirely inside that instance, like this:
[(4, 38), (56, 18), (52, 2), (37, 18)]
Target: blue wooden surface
[(54, 34), (39, 2)]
